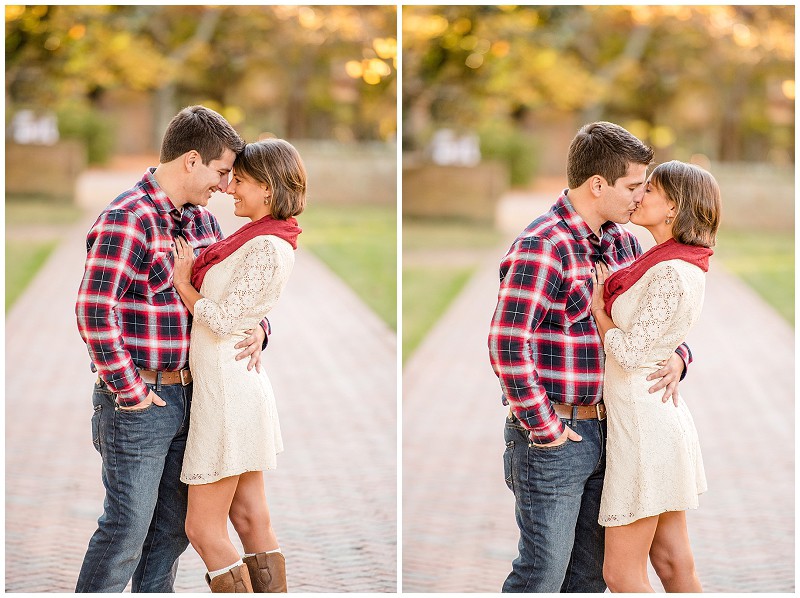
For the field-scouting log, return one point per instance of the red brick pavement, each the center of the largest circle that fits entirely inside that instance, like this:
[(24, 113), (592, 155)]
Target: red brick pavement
[(459, 533), (333, 366)]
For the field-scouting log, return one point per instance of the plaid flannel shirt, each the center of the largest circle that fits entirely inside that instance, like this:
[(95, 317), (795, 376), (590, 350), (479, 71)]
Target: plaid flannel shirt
[(543, 343), (129, 314)]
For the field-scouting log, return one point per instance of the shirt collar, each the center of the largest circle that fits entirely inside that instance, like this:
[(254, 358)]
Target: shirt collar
[(159, 196), (574, 221)]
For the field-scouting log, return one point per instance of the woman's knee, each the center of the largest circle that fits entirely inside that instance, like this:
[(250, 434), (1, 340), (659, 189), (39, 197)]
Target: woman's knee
[(613, 576), (624, 578), (195, 530), (671, 565), (203, 533), (246, 520)]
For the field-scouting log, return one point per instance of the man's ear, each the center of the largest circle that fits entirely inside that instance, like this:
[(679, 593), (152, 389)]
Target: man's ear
[(190, 160), (596, 183)]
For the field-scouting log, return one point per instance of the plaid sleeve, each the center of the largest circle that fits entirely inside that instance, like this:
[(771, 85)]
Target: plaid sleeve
[(684, 353), (116, 248), (530, 278)]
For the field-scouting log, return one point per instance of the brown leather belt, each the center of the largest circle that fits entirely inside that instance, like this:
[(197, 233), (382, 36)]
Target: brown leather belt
[(583, 411), (182, 377)]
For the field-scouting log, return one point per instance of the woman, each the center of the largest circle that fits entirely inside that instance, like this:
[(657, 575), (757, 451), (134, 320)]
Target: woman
[(654, 470), (234, 433)]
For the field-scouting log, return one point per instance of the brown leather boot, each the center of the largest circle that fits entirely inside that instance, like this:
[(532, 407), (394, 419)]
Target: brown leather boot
[(268, 572), (237, 580)]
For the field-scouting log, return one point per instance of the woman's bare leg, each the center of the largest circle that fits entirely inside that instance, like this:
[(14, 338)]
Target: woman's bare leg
[(671, 554), (207, 522), (625, 561), (250, 514)]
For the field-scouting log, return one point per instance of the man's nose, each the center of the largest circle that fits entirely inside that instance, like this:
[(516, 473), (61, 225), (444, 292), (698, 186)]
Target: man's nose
[(223, 183)]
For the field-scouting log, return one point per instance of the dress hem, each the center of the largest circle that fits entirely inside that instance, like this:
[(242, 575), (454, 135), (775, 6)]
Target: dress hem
[(653, 514), (226, 475)]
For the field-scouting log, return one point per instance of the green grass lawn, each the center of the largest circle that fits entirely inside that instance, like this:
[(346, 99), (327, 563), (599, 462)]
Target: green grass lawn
[(439, 256), (763, 260), (33, 229), (427, 292), (23, 260), (26, 213), (359, 243)]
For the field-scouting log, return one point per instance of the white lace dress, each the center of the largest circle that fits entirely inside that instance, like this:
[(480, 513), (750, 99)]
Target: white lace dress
[(653, 462), (234, 421)]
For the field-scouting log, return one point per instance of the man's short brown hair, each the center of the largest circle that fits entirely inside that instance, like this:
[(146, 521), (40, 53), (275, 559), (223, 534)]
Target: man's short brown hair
[(605, 149), (201, 129)]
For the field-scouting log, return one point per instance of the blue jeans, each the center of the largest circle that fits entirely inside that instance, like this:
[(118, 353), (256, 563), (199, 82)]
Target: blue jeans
[(557, 493), (140, 534)]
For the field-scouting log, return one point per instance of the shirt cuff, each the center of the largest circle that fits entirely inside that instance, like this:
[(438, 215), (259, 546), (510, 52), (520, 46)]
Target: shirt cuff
[(547, 434), (133, 397), (267, 331), (684, 353)]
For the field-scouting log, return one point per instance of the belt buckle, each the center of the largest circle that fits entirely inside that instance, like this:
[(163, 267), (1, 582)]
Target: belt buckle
[(597, 409), (184, 382)]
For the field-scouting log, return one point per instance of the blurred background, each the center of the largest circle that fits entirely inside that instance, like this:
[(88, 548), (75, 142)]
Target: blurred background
[(89, 92), (91, 87), (491, 97)]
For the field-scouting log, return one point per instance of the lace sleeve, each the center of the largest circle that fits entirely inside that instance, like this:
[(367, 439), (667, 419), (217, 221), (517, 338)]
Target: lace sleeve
[(243, 303), (657, 307)]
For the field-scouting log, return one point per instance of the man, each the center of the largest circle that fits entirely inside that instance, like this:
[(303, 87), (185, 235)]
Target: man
[(545, 349), (137, 332)]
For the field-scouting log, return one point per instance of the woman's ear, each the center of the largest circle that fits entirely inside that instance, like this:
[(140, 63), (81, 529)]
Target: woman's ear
[(673, 209)]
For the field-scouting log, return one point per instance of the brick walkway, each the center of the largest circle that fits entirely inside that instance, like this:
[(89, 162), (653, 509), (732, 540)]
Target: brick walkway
[(333, 365), (459, 533)]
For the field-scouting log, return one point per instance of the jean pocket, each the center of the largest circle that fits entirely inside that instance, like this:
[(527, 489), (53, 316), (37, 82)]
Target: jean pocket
[(121, 409), (98, 410), (545, 452), (508, 459)]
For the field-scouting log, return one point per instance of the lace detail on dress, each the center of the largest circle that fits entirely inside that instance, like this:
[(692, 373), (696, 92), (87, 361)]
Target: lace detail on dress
[(655, 311), (653, 459), (248, 284), (234, 424)]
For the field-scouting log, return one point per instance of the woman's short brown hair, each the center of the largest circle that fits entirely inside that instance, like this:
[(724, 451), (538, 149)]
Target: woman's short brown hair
[(276, 164), (697, 201)]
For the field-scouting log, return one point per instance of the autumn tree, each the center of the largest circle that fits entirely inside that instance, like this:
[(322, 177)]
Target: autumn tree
[(721, 76), (299, 71)]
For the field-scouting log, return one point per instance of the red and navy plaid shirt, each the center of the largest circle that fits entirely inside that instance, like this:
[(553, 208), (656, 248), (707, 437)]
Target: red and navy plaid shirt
[(129, 314), (543, 342)]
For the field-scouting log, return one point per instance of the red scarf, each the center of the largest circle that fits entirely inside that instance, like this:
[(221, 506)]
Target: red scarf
[(623, 279), (214, 254)]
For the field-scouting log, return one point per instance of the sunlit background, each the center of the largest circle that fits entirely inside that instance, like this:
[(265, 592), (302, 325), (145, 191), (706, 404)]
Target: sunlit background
[(92, 88), (89, 93), (492, 97)]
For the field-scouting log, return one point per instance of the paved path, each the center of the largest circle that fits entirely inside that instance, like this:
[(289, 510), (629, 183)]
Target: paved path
[(459, 533), (333, 365)]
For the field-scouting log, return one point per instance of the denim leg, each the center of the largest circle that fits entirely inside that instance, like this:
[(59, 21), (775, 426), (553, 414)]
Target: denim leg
[(585, 569), (134, 446), (549, 486), (166, 539)]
